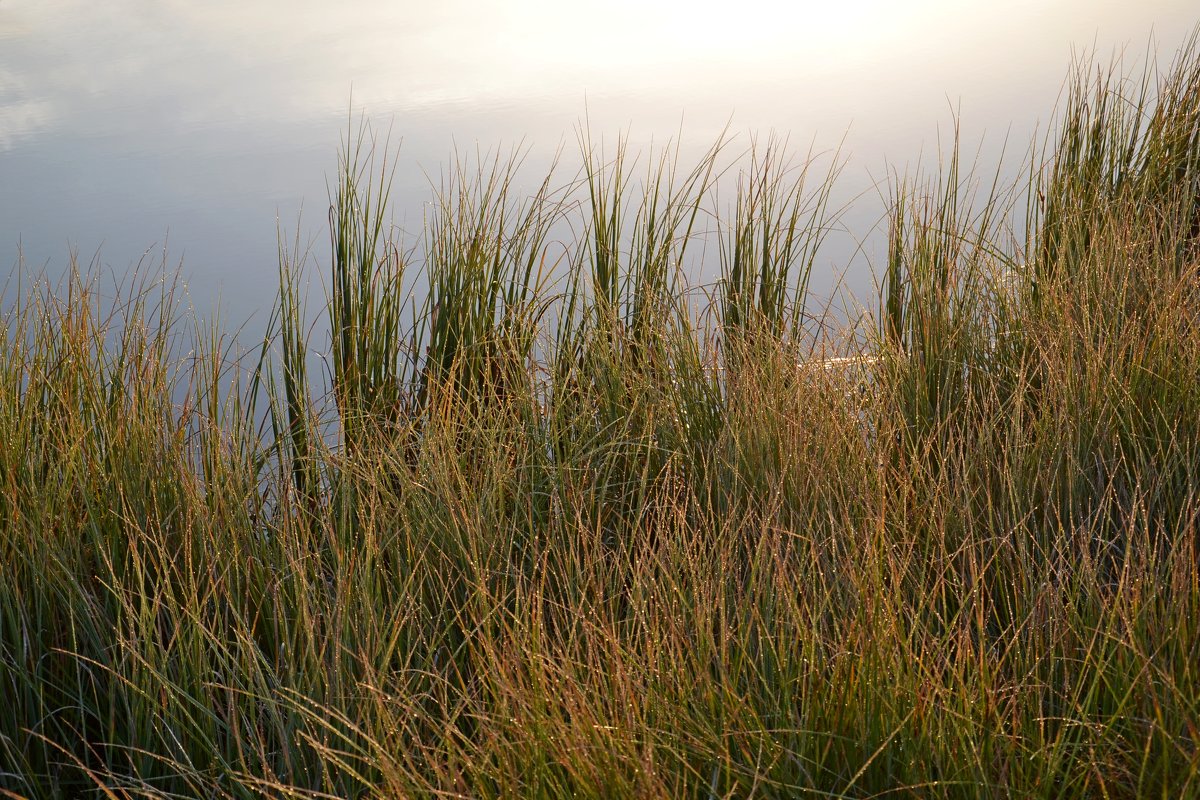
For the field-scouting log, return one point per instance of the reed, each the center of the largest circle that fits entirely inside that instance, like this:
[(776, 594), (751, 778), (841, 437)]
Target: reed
[(548, 525)]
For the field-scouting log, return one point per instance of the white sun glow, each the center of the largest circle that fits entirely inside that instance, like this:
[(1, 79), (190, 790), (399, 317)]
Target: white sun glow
[(410, 54), (622, 35)]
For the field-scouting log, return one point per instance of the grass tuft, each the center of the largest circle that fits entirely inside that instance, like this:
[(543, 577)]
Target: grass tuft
[(550, 526)]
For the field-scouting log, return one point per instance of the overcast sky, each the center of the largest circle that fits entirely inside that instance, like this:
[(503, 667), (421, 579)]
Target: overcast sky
[(122, 120)]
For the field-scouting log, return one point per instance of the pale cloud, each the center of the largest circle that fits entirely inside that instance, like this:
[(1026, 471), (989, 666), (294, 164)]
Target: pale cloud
[(231, 62), (21, 120), (21, 116)]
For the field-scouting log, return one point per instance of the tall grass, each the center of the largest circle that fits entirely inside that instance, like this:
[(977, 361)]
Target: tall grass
[(550, 526)]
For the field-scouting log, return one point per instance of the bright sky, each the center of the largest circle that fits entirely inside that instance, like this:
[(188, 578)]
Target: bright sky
[(122, 119), (275, 56)]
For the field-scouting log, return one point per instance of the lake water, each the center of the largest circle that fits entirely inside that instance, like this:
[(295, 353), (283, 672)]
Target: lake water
[(137, 126)]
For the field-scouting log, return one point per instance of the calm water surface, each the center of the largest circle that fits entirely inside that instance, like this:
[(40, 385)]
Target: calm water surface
[(138, 126)]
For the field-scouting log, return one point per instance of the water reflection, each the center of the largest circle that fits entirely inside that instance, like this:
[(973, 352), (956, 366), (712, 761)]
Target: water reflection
[(128, 123)]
